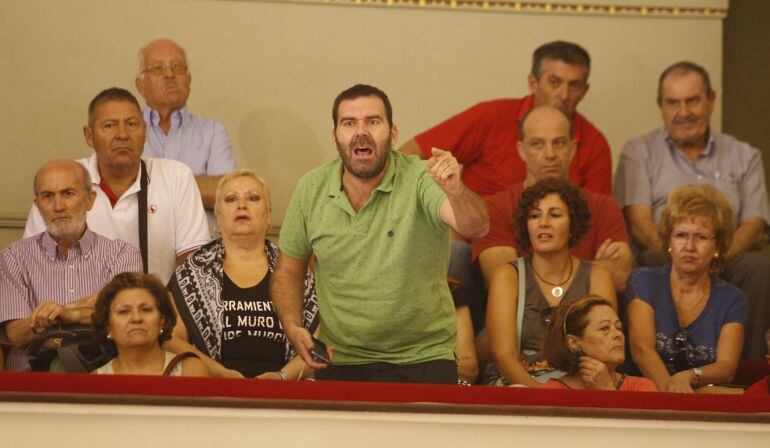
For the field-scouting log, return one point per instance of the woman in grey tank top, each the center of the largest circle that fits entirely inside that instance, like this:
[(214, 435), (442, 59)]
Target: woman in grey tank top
[(552, 218)]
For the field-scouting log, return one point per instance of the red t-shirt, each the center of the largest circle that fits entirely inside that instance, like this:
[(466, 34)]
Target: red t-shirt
[(606, 223), (630, 384), (484, 139)]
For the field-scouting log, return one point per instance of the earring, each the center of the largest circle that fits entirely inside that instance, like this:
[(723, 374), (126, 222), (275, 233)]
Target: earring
[(575, 357), (669, 250), (716, 254), (576, 354), (161, 331), (109, 336)]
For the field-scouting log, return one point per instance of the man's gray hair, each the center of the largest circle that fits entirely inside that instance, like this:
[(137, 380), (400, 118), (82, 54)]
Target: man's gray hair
[(567, 52), (682, 68), (140, 54)]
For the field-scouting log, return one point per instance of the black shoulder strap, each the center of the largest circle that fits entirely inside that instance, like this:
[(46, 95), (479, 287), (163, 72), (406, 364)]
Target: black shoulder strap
[(143, 216), (176, 360)]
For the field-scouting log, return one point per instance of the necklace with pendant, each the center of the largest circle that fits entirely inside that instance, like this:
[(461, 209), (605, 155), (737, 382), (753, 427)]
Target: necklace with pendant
[(557, 291)]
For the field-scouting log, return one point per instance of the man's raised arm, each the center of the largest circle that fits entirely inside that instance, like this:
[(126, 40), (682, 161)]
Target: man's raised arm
[(462, 210)]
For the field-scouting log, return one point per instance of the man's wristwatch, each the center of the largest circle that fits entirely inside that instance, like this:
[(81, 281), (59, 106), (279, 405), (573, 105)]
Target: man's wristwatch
[(698, 375)]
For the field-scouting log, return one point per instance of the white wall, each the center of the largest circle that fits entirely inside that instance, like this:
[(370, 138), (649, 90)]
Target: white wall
[(130, 426), (270, 71)]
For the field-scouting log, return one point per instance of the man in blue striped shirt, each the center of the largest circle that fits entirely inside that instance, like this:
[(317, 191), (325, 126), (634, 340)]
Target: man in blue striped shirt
[(53, 277)]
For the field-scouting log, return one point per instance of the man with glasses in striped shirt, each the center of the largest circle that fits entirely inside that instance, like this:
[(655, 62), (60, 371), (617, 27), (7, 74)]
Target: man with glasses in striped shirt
[(53, 277)]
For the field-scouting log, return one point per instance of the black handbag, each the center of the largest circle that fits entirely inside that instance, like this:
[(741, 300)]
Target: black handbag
[(71, 348)]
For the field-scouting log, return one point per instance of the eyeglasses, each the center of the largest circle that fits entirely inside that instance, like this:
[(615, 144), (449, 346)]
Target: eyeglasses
[(681, 238), (683, 358), (159, 69)]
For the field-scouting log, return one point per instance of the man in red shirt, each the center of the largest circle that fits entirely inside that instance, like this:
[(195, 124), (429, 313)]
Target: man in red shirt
[(546, 148), (484, 138)]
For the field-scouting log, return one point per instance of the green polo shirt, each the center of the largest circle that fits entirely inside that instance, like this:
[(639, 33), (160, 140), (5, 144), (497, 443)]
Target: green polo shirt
[(380, 273)]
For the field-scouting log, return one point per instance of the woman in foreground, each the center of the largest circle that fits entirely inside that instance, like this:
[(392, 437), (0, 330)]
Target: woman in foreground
[(135, 313), (585, 339)]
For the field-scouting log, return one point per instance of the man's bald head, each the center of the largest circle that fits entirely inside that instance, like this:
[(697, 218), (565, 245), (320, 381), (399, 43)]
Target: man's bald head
[(163, 78), (161, 42), (76, 169), (545, 143), (63, 196), (545, 114)]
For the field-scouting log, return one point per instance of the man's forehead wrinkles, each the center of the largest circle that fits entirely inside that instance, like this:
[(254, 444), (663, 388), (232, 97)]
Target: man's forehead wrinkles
[(675, 98), (57, 190), (118, 118), (361, 116), (160, 60)]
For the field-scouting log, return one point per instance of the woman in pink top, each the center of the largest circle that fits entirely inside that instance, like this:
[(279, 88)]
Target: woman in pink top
[(586, 340)]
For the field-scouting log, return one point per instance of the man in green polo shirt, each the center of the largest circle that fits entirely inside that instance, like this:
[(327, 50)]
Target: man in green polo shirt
[(378, 224)]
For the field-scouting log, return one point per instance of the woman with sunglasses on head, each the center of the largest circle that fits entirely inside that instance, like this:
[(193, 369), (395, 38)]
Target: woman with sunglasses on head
[(586, 340), (552, 217), (686, 325)]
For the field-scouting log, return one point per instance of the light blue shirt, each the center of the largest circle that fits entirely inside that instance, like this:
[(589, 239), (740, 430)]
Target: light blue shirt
[(652, 166), (201, 144)]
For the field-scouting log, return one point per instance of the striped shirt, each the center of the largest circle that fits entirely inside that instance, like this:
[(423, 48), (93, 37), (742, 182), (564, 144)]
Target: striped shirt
[(33, 270)]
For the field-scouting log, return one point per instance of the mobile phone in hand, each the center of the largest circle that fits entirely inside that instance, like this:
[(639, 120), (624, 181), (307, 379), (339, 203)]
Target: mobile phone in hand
[(319, 352)]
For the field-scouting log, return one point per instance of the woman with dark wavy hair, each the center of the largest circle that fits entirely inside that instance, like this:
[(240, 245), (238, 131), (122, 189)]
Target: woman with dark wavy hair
[(135, 313), (552, 217)]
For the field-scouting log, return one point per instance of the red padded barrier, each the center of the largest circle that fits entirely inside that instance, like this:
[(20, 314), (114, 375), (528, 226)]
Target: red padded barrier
[(372, 392)]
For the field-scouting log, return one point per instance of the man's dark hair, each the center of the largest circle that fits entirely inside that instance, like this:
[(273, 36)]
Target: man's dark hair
[(572, 54), (526, 116), (358, 91), (106, 96), (682, 68)]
